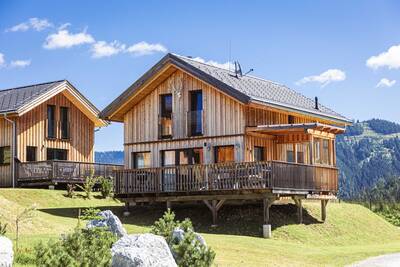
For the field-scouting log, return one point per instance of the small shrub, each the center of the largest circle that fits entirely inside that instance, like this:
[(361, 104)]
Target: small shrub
[(189, 251), (90, 214), (25, 256), (83, 247), (106, 186), (71, 190), (88, 185)]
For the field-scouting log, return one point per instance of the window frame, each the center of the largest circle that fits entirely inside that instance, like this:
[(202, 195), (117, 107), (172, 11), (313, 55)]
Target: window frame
[(27, 153), (165, 115), (3, 157), (68, 134), (216, 148), (55, 151), (134, 159), (54, 122), (194, 94)]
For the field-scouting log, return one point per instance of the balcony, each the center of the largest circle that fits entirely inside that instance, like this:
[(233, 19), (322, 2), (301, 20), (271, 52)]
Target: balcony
[(275, 176), (57, 171)]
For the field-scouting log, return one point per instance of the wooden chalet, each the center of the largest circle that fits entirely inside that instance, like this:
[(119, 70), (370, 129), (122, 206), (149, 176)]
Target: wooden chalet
[(47, 135), (196, 132)]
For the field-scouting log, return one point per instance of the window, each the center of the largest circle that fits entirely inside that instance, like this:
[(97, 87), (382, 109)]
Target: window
[(30, 153), (290, 154), (195, 116), (5, 155), (57, 154), (64, 121), (291, 119), (317, 150), (182, 157), (224, 154), (325, 151), (258, 153), (51, 121), (165, 126), (141, 160)]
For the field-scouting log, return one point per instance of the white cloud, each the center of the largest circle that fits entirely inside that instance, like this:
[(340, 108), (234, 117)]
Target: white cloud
[(2, 60), (64, 39), (331, 75), (20, 63), (103, 49), (226, 65), (33, 23), (386, 83), (144, 48), (389, 59)]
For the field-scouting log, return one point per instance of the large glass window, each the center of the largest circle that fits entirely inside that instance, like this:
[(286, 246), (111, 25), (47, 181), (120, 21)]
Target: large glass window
[(141, 160), (64, 122), (325, 151), (195, 116), (258, 153), (224, 154), (57, 154), (5, 155), (166, 116), (31, 153), (317, 150), (290, 153), (51, 121), (182, 157)]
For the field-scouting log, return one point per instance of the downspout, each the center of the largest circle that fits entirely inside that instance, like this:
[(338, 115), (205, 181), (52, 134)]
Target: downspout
[(14, 149)]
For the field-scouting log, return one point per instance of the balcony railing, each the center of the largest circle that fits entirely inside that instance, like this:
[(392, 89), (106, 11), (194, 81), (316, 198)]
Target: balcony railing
[(62, 171), (195, 122), (227, 176)]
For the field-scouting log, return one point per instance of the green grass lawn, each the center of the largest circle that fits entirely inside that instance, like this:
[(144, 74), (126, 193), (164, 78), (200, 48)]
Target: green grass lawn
[(351, 232)]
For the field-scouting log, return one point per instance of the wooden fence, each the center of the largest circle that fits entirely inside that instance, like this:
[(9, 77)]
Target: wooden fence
[(226, 176)]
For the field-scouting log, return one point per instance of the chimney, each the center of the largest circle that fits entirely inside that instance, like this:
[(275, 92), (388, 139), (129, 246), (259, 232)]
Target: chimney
[(316, 103)]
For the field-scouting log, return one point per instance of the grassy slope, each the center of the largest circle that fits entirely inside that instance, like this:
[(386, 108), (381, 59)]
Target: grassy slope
[(351, 232)]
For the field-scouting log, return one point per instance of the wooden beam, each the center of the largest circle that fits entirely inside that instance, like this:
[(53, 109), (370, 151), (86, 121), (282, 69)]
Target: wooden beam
[(299, 204), (324, 203), (214, 207)]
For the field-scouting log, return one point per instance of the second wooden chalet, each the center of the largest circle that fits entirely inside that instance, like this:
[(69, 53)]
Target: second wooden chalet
[(47, 135), (193, 131)]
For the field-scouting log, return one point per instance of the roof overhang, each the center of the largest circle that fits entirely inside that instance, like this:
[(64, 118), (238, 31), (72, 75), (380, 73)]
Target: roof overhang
[(73, 95), (158, 73), (314, 113), (282, 129)]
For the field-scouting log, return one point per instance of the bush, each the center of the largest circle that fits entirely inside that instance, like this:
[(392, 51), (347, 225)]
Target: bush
[(88, 185), (71, 190), (189, 251), (83, 247), (106, 187)]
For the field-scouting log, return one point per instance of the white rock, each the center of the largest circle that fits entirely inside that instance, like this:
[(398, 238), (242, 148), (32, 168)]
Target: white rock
[(110, 221), (178, 235), (142, 251), (6, 252)]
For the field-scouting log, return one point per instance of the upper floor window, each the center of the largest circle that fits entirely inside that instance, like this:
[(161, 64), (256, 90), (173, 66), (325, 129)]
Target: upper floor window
[(64, 122), (322, 151), (165, 123), (5, 155), (51, 121), (195, 115), (291, 119)]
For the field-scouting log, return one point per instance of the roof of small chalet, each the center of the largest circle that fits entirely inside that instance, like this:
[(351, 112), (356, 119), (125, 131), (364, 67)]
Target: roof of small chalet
[(244, 88), (19, 100)]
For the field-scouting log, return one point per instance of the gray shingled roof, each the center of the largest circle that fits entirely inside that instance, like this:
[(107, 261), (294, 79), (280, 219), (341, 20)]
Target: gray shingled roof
[(14, 98), (262, 90)]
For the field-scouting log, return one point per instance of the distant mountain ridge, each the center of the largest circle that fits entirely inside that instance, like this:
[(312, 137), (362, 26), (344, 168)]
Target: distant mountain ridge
[(368, 152)]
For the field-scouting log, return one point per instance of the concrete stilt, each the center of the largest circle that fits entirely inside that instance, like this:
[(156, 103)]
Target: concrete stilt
[(169, 205)]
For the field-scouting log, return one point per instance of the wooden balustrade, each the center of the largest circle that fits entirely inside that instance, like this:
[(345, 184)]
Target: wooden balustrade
[(227, 176), (62, 171)]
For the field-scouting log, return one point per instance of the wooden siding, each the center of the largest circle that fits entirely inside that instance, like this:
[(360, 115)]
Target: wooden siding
[(5, 140), (32, 132), (265, 141), (222, 114), (156, 147)]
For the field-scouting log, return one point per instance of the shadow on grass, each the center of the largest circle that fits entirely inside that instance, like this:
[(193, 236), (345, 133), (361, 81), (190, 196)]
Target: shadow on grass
[(245, 219)]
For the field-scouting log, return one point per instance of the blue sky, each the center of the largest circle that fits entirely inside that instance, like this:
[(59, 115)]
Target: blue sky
[(337, 50)]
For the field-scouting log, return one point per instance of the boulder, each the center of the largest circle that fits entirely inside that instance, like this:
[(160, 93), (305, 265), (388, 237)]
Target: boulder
[(110, 221), (142, 251), (6, 252)]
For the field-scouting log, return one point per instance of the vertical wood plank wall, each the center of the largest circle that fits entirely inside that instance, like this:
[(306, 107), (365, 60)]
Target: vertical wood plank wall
[(32, 132), (5, 140)]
